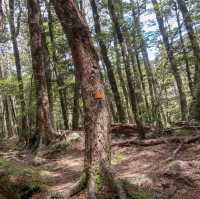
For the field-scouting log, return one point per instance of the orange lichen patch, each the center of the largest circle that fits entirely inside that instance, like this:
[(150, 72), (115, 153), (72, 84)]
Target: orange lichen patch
[(98, 94)]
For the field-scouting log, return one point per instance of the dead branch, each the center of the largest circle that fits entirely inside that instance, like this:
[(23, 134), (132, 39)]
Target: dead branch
[(152, 142)]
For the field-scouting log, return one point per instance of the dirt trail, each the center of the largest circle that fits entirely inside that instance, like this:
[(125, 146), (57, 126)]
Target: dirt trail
[(148, 167)]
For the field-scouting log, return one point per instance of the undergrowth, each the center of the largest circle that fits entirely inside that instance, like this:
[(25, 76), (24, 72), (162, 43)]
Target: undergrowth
[(20, 181)]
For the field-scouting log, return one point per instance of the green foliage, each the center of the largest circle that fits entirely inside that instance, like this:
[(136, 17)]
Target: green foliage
[(8, 86)]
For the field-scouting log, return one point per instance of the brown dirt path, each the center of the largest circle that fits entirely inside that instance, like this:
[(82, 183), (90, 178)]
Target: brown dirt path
[(148, 167)]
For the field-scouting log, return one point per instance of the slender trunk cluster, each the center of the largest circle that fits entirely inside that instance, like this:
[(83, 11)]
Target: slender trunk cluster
[(171, 58), (184, 51), (24, 125), (195, 107), (129, 76), (59, 78), (104, 53)]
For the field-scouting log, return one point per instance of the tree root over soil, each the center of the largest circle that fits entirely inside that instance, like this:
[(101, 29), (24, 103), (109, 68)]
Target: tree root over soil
[(152, 142), (109, 187)]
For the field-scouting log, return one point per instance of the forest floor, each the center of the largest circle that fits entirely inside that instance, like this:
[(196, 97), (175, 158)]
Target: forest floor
[(152, 168)]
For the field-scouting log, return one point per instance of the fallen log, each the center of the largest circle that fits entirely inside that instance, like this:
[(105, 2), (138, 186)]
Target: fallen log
[(127, 129), (152, 142), (116, 129), (180, 128)]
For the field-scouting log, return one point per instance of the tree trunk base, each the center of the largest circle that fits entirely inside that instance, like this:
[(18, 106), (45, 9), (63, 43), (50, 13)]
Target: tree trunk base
[(107, 186)]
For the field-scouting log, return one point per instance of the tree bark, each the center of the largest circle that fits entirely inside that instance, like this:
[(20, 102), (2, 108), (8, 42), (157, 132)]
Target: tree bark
[(44, 131), (76, 107), (170, 54), (23, 136), (48, 74)]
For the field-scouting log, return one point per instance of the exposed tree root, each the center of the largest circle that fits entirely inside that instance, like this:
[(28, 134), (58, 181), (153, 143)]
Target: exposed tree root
[(78, 186), (112, 187), (152, 142)]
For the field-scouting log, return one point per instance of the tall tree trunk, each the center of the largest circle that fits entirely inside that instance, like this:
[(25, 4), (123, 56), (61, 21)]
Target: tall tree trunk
[(189, 26), (143, 85), (59, 79), (44, 130), (121, 78), (1, 16), (125, 56), (195, 107), (171, 58), (24, 125), (108, 64), (137, 32), (48, 75), (7, 114), (184, 50), (96, 114), (76, 105)]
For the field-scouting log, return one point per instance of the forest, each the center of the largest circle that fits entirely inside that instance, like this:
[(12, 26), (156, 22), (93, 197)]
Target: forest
[(99, 99)]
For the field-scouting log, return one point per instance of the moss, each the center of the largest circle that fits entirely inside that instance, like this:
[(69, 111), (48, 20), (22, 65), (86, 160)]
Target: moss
[(58, 149), (19, 181), (117, 158), (99, 180), (136, 192), (183, 132)]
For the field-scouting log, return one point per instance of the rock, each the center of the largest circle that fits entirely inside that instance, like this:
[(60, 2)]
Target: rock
[(3, 173), (38, 161), (174, 168)]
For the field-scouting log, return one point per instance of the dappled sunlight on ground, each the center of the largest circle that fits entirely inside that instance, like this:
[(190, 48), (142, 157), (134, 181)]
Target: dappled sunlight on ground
[(148, 167)]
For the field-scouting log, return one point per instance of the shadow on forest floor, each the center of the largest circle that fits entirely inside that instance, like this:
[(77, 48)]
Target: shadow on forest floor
[(149, 167)]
